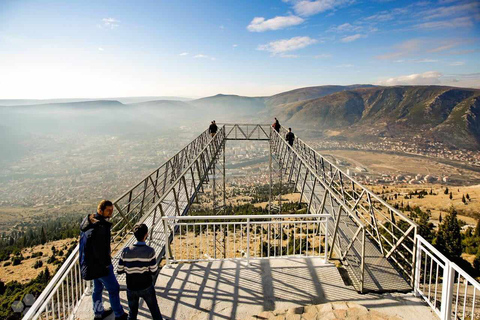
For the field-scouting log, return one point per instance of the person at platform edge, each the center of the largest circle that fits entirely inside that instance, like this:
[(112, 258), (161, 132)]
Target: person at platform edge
[(276, 125), (290, 137), (139, 262), (213, 128), (96, 261)]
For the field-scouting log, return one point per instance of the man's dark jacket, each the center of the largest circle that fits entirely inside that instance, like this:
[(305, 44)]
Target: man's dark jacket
[(213, 128), (95, 247), (290, 137)]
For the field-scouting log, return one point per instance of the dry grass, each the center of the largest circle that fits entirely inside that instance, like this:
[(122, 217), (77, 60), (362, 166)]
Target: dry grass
[(439, 203), (25, 271)]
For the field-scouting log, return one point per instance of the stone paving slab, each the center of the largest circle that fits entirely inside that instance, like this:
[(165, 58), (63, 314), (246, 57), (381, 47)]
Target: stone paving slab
[(231, 290)]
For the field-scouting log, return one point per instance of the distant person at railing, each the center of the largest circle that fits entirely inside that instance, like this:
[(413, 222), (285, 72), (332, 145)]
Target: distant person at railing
[(290, 137), (213, 128), (276, 125), (96, 262), (139, 262)]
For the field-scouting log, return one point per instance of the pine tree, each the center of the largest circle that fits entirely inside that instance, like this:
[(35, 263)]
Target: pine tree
[(463, 199), (477, 229), (449, 239), (43, 236), (468, 197), (451, 196), (446, 190), (440, 218)]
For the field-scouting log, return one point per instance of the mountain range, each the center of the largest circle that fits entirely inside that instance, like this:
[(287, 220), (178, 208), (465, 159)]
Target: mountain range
[(443, 114)]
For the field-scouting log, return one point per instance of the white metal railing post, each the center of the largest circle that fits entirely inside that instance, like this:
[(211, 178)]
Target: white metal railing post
[(325, 259), (447, 291), (418, 266), (167, 252), (248, 241)]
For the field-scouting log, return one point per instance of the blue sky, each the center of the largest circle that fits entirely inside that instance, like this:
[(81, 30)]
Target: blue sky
[(61, 49)]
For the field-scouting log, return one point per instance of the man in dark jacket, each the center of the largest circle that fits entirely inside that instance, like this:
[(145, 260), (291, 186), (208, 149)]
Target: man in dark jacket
[(290, 137), (213, 128), (139, 262), (96, 262)]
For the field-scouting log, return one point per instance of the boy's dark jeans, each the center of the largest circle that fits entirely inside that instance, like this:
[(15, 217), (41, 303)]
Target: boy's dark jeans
[(150, 298)]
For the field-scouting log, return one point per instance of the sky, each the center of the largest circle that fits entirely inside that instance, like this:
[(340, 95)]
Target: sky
[(120, 48)]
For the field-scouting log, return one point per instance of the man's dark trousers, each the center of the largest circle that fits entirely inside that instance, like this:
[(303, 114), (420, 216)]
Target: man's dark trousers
[(149, 297)]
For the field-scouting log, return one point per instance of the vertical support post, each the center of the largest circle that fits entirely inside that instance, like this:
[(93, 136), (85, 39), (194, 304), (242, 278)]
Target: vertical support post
[(362, 265), (248, 241), (167, 242), (280, 164), (418, 265), (325, 260), (224, 177), (447, 291), (270, 174), (414, 256), (214, 187), (152, 228), (335, 231)]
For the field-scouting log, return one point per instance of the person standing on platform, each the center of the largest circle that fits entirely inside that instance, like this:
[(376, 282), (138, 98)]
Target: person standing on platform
[(139, 263), (213, 129), (290, 137), (276, 125), (96, 262)]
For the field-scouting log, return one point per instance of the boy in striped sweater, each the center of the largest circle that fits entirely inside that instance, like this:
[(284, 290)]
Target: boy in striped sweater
[(138, 261)]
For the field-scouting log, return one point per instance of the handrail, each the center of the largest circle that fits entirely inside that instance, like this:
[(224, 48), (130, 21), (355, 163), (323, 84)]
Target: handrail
[(374, 195), (438, 283), (246, 216), (320, 180)]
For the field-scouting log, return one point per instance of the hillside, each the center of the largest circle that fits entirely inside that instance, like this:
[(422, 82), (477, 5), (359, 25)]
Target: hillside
[(233, 104), (308, 93), (450, 115)]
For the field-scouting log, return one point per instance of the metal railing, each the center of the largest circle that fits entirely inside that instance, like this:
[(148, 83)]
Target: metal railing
[(64, 292), (349, 239), (392, 231), (447, 289), (247, 131), (62, 296), (245, 237)]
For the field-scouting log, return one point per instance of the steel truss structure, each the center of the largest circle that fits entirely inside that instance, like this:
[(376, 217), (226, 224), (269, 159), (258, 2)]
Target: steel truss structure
[(376, 242)]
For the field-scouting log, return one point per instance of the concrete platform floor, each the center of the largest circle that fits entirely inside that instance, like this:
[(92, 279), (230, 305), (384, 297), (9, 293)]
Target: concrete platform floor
[(231, 290)]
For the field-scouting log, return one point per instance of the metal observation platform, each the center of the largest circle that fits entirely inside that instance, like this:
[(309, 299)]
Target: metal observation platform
[(377, 244)]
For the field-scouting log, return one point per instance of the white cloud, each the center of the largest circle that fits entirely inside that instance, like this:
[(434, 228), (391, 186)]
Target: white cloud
[(110, 23), (259, 24), (424, 60), (234, 45), (183, 54), (282, 55), (100, 49), (429, 77), (456, 10), (464, 22), (457, 63), (403, 49), (309, 8), (352, 38), (346, 27), (285, 45), (323, 56), (204, 56), (346, 65)]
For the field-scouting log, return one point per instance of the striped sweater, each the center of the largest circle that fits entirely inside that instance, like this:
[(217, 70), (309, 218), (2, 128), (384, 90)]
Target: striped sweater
[(138, 261)]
